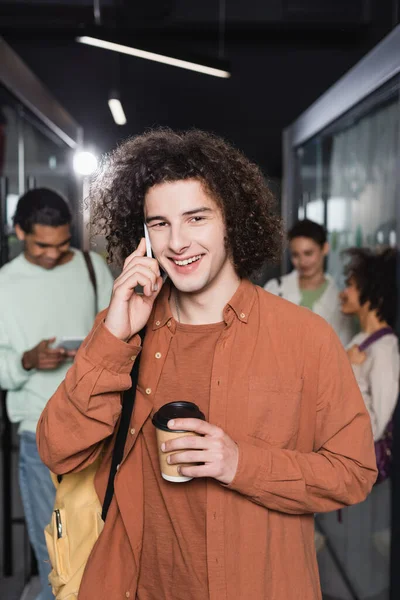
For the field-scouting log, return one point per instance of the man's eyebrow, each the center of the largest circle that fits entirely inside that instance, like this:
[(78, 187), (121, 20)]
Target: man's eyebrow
[(201, 209), (44, 245)]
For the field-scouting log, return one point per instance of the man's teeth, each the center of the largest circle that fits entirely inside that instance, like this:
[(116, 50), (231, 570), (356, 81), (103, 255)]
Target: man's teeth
[(182, 263)]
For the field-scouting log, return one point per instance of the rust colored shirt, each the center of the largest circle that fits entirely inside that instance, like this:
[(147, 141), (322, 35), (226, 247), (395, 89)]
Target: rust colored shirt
[(282, 388), (174, 556)]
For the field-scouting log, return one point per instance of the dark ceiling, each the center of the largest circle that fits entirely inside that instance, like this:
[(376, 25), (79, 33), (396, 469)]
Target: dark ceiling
[(283, 54)]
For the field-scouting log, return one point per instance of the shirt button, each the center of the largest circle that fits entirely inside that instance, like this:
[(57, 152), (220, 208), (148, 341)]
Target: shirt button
[(148, 391), (133, 431), (158, 355), (132, 358), (127, 594), (118, 467), (158, 323), (169, 324), (242, 315)]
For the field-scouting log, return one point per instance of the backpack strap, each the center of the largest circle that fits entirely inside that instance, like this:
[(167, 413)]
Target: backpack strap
[(92, 276), (374, 337), (119, 446), (280, 291)]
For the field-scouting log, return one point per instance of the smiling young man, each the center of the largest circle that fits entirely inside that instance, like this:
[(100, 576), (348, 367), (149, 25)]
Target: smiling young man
[(45, 294), (286, 433)]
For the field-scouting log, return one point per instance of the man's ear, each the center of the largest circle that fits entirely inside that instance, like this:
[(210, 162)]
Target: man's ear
[(326, 248), (20, 233)]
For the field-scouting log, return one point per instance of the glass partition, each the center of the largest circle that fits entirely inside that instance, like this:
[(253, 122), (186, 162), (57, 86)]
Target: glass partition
[(348, 180)]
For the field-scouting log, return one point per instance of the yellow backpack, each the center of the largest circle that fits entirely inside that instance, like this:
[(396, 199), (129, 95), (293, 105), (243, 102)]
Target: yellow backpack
[(78, 516), (75, 525)]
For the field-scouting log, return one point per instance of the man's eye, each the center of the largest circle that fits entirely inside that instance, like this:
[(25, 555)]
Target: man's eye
[(197, 219), (160, 224)]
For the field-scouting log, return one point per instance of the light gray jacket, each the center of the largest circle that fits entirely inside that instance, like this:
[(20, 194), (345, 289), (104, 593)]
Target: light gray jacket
[(327, 306)]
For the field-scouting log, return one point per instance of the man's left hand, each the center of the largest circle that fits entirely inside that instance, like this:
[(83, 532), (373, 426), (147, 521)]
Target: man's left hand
[(212, 447)]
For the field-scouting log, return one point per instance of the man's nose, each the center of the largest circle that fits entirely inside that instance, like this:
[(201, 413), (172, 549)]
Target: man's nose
[(178, 240), (53, 253)]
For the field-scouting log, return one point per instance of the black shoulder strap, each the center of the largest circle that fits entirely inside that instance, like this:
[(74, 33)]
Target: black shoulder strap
[(92, 275), (118, 452), (280, 292)]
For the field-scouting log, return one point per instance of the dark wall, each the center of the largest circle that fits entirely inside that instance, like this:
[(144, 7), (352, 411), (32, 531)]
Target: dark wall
[(276, 74)]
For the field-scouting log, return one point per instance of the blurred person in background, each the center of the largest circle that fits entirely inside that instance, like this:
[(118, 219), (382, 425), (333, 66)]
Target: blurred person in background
[(46, 294), (371, 295), (308, 285)]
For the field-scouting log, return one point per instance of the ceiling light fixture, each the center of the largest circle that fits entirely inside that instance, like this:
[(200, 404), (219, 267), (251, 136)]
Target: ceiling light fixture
[(167, 60), (116, 108)]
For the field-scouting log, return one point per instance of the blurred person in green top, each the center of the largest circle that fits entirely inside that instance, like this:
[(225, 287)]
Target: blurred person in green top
[(45, 295), (308, 284)]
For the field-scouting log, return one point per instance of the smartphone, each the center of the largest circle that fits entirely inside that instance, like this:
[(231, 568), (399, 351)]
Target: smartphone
[(149, 250), (69, 343)]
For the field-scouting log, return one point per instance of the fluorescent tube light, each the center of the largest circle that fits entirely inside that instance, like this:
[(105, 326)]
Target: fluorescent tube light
[(167, 60), (117, 111)]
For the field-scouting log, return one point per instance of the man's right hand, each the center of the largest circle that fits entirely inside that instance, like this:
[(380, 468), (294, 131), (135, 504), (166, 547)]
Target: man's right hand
[(129, 312), (43, 358)]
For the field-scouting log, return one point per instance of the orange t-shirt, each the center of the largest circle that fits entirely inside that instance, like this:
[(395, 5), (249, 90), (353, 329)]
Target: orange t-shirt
[(174, 559)]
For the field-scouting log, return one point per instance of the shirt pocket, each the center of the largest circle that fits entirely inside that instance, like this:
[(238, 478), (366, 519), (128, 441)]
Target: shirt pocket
[(273, 411)]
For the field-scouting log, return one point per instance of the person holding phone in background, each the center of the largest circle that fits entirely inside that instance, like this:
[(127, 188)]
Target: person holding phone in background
[(285, 431), (46, 295), (308, 285)]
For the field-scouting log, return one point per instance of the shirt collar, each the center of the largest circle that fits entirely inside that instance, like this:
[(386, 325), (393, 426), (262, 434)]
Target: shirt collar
[(239, 306)]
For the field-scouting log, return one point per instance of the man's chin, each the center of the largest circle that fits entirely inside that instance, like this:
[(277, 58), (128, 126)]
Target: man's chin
[(48, 266), (188, 285)]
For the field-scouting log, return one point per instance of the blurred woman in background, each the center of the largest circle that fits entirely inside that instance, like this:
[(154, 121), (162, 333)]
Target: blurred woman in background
[(308, 285)]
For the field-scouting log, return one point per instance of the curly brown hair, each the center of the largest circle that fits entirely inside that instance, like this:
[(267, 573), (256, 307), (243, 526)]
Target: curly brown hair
[(117, 195), (375, 275)]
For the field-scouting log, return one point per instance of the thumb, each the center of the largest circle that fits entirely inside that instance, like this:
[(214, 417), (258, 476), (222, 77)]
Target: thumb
[(46, 343), (159, 283)]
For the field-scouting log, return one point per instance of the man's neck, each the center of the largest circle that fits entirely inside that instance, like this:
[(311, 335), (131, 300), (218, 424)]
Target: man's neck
[(66, 258), (206, 306)]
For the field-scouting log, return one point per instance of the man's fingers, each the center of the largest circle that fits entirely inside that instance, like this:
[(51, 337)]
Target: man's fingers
[(191, 456), (47, 357), (140, 276), (49, 365), (196, 425), (186, 442), (197, 471), (54, 352), (137, 268), (139, 251)]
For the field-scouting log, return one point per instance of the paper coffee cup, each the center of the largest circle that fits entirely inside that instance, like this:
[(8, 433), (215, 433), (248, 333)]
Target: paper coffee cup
[(173, 410)]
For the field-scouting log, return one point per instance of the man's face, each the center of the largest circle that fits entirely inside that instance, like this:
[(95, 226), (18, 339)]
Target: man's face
[(187, 234), (46, 246), (307, 256)]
